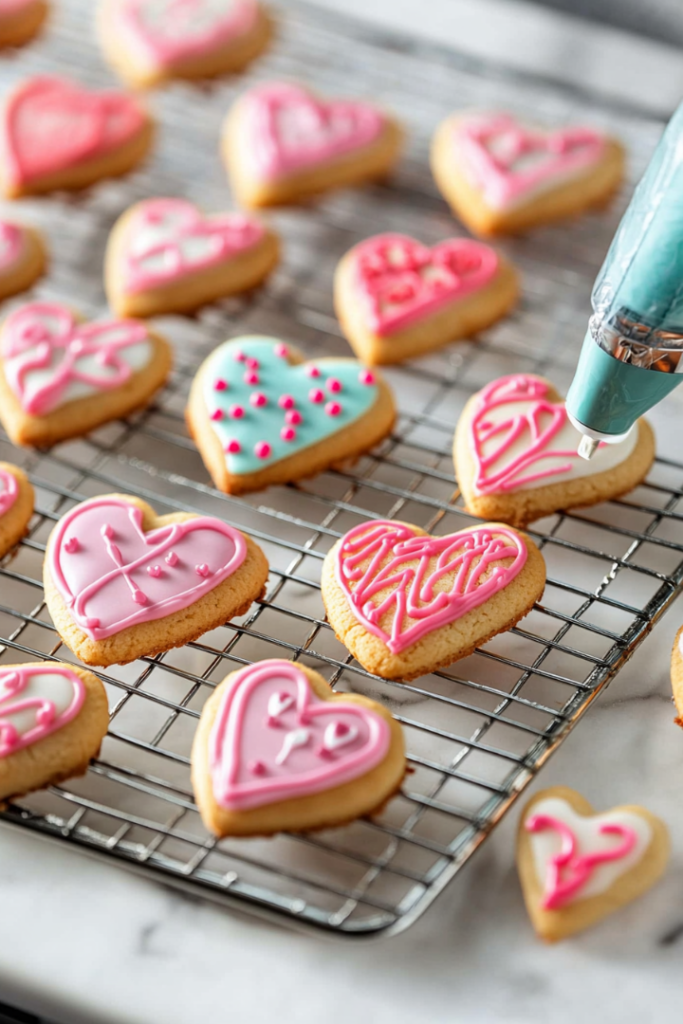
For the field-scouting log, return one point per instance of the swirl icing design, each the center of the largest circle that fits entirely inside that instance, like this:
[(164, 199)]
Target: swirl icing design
[(288, 129), (264, 408), (160, 33), (11, 244), (401, 585), (273, 739), (402, 281), (511, 163), (113, 575), (50, 124), (520, 439), (35, 702), (9, 491), (577, 857), (50, 359), (166, 239)]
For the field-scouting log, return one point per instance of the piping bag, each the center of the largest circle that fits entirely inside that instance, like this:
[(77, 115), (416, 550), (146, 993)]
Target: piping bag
[(632, 355)]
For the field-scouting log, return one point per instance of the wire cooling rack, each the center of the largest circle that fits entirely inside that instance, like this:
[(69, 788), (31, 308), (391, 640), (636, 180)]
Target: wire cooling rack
[(476, 733)]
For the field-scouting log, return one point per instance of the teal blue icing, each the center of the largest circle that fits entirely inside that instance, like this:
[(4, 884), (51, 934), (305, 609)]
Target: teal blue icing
[(278, 377)]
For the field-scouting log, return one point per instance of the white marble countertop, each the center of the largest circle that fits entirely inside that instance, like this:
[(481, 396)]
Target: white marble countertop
[(83, 942)]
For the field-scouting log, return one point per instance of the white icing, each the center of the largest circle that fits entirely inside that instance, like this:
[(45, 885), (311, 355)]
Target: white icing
[(295, 738), (547, 843), (177, 20), (277, 703), (56, 688), (331, 739), (170, 231)]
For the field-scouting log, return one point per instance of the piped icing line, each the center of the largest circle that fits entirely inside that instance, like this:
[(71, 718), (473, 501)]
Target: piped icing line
[(49, 124), (161, 33), (112, 574), (264, 408), (385, 569), (511, 162), (45, 350), (11, 244), (286, 128), (312, 745), (401, 281), (166, 239), (9, 491), (40, 708), (568, 871)]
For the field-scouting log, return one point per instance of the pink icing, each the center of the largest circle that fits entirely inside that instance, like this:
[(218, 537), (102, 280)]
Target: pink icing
[(13, 682), (273, 739), (167, 239), (50, 124), (391, 576), (168, 31), (497, 471), (510, 161), (560, 890), (10, 6), (287, 129), (9, 491), (402, 281), (105, 582), (11, 244), (45, 336)]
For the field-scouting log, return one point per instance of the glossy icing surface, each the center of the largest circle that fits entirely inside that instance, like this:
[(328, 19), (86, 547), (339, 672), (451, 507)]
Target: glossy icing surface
[(273, 739), (401, 585), (34, 702)]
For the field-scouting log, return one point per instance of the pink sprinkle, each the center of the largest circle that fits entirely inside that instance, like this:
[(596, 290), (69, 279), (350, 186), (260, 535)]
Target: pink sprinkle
[(237, 412), (294, 417), (233, 447), (333, 408), (251, 377), (262, 450), (72, 545), (202, 570), (288, 433), (366, 377), (323, 752), (258, 399), (107, 531), (340, 728), (239, 356), (252, 363), (154, 570), (139, 597), (257, 768), (282, 351), (171, 559), (217, 414), (316, 395), (334, 385), (285, 401), (220, 385), (312, 371)]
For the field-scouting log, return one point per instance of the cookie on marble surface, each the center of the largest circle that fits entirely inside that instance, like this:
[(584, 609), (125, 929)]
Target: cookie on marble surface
[(122, 582), (576, 866), (276, 749), (53, 718), (502, 175), (16, 505), (406, 603), (22, 258), (61, 377), (516, 454), (56, 134), (396, 298), (261, 415), (677, 675), (21, 20), (149, 42), (166, 256), (282, 143)]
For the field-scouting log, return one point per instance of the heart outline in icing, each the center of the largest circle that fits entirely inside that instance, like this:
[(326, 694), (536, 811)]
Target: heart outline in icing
[(13, 682)]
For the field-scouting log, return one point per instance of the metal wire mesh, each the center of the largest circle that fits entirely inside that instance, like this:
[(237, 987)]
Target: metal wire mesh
[(475, 733)]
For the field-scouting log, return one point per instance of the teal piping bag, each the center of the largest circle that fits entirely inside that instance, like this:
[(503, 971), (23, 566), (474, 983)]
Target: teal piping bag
[(632, 355)]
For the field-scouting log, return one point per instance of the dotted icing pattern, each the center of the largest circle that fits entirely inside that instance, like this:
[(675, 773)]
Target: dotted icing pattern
[(264, 409)]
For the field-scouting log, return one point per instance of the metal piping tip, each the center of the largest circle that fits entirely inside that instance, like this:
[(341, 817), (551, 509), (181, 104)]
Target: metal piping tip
[(588, 447)]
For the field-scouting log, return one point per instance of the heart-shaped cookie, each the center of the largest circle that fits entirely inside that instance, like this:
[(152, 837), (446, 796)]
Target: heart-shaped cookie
[(52, 721), (20, 20), (417, 598), (397, 298), (260, 415), (165, 256), (121, 581), (277, 749), (516, 454), (501, 175), (55, 134), (60, 378), (281, 143), (151, 41), (576, 866), (16, 505)]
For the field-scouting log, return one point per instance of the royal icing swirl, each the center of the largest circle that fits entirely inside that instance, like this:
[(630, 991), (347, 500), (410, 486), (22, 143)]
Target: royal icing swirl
[(520, 439), (9, 491), (50, 359), (273, 739), (264, 408), (34, 702), (401, 281), (512, 163), (112, 574), (167, 239), (402, 585)]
